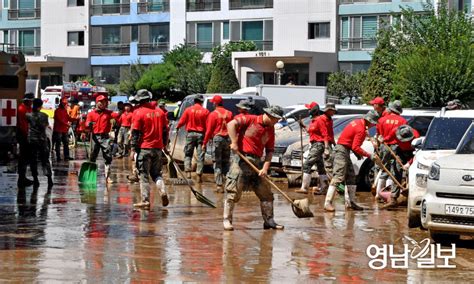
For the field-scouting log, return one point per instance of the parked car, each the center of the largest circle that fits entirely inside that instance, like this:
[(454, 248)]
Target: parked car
[(291, 114), (229, 102), (363, 168), (442, 138), (447, 208)]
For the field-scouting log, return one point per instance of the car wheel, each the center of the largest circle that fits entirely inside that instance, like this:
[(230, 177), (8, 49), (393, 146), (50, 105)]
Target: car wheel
[(294, 180), (443, 238), (366, 176), (413, 219)]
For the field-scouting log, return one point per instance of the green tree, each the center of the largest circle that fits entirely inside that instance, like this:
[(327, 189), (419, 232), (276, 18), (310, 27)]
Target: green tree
[(183, 55), (89, 79), (158, 79), (223, 79), (234, 46), (131, 77), (342, 84)]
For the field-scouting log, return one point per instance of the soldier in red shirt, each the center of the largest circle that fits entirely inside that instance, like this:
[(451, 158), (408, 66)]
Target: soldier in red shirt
[(379, 106), (321, 139), (243, 107), (386, 129), (405, 135), (149, 137), (99, 121), (195, 120), (62, 122), (22, 136), (257, 133), (351, 139), (134, 176), (125, 122), (216, 129)]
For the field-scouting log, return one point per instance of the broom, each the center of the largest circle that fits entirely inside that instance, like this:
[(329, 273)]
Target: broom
[(300, 207), (88, 172), (199, 196)]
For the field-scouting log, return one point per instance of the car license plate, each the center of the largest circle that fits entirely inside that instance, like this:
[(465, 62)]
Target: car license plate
[(459, 210), (296, 163), (275, 159)]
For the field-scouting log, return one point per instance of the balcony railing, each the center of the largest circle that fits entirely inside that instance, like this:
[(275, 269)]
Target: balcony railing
[(364, 1), (110, 49), (26, 50), (357, 43), (152, 48), (195, 6), (150, 7), (250, 4), (17, 14), (204, 46), (107, 9)]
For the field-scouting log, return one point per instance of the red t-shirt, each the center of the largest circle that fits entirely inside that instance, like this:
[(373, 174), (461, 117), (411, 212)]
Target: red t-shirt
[(255, 136), (353, 136), (321, 129), (151, 122), (406, 146), (101, 121), (387, 126), (194, 118), (22, 123), (126, 119), (217, 123), (61, 120)]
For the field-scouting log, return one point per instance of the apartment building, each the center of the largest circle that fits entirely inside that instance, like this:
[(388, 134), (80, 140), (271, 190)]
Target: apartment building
[(301, 33), (52, 34)]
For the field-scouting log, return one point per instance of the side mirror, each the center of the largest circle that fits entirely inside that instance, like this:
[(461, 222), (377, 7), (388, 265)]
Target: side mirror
[(170, 115), (418, 143)]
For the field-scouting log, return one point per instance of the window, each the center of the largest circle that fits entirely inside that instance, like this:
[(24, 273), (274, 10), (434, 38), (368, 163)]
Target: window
[(74, 3), (225, 30), (5, 3), (344, 32), (322, 78), (159, 33), (319, 30), (27, 41), (107, 74), (134, 33), (26, 8), (75, 38), (156, 5), (369, 31), (252, 31), (110, 35), (204, 36)]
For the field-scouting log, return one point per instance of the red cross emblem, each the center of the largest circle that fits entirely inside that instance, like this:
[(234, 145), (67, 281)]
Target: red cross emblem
[(8, 112)]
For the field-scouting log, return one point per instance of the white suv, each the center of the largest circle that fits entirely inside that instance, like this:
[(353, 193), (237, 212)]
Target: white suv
[(447, 209), (442, 138)]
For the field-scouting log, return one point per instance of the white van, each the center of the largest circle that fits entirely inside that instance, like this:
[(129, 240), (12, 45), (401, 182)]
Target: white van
[(443, 136), (51, 98)]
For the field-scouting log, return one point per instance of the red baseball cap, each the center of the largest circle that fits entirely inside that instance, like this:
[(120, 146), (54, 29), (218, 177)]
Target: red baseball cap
[(216, 99), (311, 105), (100, 98), (378, 101)]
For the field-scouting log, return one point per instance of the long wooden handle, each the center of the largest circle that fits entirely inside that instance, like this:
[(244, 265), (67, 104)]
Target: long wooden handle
[(265, 177), (179, 171), (174, 143), (394, 155), (301, 146), (379, 162)]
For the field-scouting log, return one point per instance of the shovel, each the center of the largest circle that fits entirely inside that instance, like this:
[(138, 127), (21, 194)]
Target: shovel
[(88, 173), (199, 196), (171, 169), (300, 206)]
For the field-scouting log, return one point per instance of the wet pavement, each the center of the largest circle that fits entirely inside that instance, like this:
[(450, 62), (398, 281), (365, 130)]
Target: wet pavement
[(93, 234)]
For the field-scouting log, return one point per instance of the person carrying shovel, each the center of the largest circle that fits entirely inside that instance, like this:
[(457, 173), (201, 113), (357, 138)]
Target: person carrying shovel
[(251, 135), (351, 139), (149, 138)]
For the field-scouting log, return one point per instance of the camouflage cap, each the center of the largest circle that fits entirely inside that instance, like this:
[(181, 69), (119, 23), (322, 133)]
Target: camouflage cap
[(244, 104), (143, 95), (199, 98), (274, 111), (329, 106), (395, 106), (405, 133), (28, 97), (372, 116)]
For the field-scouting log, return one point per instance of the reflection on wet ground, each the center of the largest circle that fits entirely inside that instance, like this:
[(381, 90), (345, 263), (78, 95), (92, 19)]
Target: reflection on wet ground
[(93, 234)]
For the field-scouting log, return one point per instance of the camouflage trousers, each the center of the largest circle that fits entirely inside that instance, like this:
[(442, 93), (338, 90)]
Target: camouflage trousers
[(241, 176), (221, 158), (393, 166), (343, 170), (123, 140), (101, 142), (194, 140), (149, 166), (315, 157), (40, 150)]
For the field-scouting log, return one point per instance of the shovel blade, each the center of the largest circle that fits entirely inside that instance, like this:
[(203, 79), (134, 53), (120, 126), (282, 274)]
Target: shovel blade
[(203, 199), (88, 173), (301, 209)]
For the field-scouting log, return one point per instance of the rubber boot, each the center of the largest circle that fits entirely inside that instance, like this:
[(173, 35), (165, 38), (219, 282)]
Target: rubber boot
[(323, 185), (36, 182), (381, 183), (199, 176), (349, 197), (50, 182), (133, 177), (162, 189), (24, 182), (305, 182), (267, 214), (108, 179), (329, 197), (228, 211)]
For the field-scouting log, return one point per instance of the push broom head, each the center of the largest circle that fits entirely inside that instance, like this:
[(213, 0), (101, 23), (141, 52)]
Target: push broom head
[(301, 208)]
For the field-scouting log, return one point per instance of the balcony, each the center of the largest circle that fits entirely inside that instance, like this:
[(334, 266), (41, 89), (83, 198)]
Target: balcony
[(357, 43), (26, 50), (24, 14), (152, 48), (204, 46), (203, 5), (250, 4), (153, 7), (110, 49), (364, 1), (110, 9)]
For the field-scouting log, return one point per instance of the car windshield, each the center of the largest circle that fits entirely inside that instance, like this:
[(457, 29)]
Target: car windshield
[(229, 104), (445, 133), (287, 110), (466, 146)]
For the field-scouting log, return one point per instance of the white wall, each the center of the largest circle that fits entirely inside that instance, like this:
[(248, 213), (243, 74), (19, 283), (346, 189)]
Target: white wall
[(177, 22), (56, 20)]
